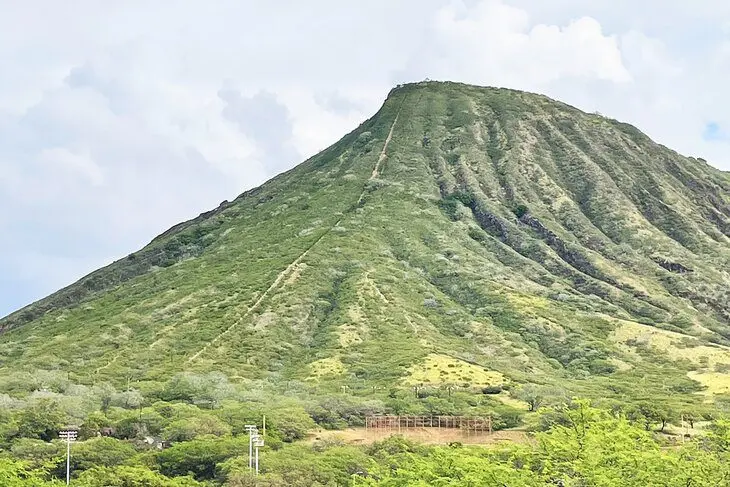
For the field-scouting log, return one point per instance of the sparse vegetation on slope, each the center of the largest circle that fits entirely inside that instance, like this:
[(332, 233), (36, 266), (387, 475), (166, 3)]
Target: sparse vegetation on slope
[(467, 251)]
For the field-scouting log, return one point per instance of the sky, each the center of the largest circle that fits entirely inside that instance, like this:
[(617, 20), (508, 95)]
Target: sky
[(119, 119)]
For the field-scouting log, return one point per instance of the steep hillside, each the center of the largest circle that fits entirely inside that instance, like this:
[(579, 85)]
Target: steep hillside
[(463, 235)]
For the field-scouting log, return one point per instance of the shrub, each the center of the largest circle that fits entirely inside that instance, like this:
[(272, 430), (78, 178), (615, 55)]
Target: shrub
[(42, 420), (291, 423), (190, 428), (199, 457), (109, 452), (521, 210), (130, 477), (492, 390)]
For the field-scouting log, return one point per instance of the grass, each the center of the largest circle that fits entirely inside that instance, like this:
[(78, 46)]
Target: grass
[(440, 369), (715, 382), (326, 367), (675, 346)]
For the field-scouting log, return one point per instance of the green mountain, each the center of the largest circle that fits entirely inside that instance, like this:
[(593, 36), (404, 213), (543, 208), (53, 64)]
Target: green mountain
[(462, 236)]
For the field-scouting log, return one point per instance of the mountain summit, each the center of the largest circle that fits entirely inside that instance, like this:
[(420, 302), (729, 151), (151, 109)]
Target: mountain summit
[(463, 235)]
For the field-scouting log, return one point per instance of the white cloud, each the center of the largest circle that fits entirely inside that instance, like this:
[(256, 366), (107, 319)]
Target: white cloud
[(495, 43), (65, 160)]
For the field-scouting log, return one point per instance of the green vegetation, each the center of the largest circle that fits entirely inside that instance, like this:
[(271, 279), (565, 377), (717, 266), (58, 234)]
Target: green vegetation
[(503, 252), (573, 444)]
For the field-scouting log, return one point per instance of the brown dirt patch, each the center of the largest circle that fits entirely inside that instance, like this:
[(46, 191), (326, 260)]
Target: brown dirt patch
[(427, 436)]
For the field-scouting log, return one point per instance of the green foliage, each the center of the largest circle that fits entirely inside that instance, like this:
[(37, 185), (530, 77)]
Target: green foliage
[(304, 466), (579, 445), (651, 413), (190, 428), (17, 474), (536, 396), (37, 453), (291, 423), (337, 412), (125, 476), (236, 414), (42, 420), (108, 452), (199, 457), (205, 390), (521, 210), (590, 448)]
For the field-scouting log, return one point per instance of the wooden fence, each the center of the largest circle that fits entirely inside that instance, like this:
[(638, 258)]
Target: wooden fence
[(467, 424)]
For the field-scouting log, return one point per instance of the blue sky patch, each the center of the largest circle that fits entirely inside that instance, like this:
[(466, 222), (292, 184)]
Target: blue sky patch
[(713, 131)]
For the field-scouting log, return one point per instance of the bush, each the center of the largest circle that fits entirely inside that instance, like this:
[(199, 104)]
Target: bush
[(36, 452), (237, 415), (109, 452), (130, 477), (291, 423), (17, 474), (199, 457), (492, 390), (190, 428), (301, 466), (506, 419), (206, 390), (521, 210), (42, 420), (337, 412), (138, 425)]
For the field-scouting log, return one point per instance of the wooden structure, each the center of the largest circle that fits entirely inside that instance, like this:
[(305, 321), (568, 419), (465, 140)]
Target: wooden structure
[(467, 424)]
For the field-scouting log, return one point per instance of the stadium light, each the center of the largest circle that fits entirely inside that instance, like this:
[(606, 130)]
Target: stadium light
[(258, 442), (69, 436), (252, 430)]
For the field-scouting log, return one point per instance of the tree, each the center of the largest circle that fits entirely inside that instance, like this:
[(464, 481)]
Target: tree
[(690, 417), (291, 423), (237, 415), (137, 424), (654, 412), (8, 427), (42, 420), (17, 474), (104, 392), (533, 395), (130, 477), (436, 406), (127, 399), (301, 466), (718, 436), (190, 428), (105, 451), (206, 390), (93, 425), (199, 457), (37, 453)]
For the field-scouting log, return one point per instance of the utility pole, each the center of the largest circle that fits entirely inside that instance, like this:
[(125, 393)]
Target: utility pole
[(252, 430), (69, 436), (255, 440), (258, 442)]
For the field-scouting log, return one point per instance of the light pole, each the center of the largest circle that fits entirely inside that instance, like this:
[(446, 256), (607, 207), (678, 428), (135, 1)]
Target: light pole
[(255, 440), (258, 442), (252, 430), (69, 436)]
